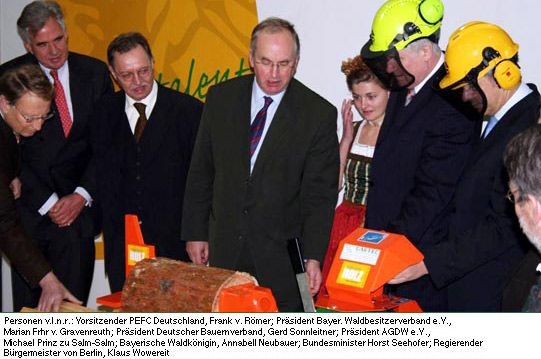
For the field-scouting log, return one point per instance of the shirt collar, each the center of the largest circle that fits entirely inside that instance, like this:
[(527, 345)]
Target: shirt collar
[(429, 76), (149, 101), (258, 94), (62, 72), (522, 91)]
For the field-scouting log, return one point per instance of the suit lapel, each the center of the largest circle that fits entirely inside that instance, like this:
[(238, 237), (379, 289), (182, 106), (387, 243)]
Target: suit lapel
[(158, 124), (241, 118), (79, 94), (282, 120)]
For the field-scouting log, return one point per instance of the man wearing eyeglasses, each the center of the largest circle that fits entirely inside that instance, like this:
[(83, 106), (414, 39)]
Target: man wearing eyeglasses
[(57, 172), (143, 139), (522, 160), (264, 170)]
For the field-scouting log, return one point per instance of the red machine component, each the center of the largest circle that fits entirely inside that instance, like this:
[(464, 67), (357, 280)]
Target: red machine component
[(364, 262)]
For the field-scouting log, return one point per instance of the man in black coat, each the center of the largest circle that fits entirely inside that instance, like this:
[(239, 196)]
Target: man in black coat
[(57, 174), (253, 183), (484, 244), (424, 142), (144, 136)]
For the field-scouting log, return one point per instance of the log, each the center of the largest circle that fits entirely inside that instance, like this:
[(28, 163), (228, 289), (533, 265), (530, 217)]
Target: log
[(166, 285)]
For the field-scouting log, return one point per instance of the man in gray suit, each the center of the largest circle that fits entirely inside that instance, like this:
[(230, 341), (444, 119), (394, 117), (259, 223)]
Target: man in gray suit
[(264, 170)]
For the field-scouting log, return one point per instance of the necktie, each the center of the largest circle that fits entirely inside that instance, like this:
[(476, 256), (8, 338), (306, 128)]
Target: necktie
[(256, 129), (409, 97), (141, 121), (61, 104), (490, 125)]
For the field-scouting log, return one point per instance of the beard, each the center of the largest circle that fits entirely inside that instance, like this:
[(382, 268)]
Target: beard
[(534, 237)]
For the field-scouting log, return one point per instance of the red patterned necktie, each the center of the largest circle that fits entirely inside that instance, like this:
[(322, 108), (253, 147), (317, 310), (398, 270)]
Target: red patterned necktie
[(61, 104), (409, 97), (256, 129)]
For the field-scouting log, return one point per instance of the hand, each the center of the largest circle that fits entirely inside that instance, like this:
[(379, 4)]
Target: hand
[(198, 251), (67, 209), (411, 273), (53, 293), (314, 275), (15, 187), (347, 122)]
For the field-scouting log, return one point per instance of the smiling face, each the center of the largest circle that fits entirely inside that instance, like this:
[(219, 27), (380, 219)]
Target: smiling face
[(134, 72), (370, 99), (49, 45), (274, 61), (28, 105)]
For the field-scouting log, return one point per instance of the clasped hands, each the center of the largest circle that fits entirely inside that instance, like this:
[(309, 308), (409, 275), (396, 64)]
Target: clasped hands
[(66, 210)]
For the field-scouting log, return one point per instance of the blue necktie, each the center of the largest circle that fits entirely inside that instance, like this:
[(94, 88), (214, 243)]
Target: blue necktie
[(490, 125), (256, 129)]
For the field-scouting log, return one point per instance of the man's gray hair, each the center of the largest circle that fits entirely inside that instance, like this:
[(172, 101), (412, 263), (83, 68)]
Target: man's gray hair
[(522, 159), (274, 25), (35, 15), (418, 44)]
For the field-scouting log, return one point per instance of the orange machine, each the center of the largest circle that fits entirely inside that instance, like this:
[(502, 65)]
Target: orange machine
[(364, 262), (240, 298)]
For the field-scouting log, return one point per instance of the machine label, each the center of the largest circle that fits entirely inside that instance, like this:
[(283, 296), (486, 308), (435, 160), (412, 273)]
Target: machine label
[(137, 253), (373, 237), (360, 254), (353, 274)]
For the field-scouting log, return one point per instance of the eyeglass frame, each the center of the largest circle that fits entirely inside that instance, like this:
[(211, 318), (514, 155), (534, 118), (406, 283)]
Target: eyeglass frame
[(130, 76), (269, 65), (32, 119), (511, 196)]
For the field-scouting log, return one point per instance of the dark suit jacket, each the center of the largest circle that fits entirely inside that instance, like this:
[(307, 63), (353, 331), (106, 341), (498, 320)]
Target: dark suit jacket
[(21, 251), (420, 154), (291, 192), (485, 242), (160, 161), (50, 161)]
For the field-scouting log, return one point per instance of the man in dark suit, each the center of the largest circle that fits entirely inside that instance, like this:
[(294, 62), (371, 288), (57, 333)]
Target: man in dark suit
[(424, 142), (522, 160), (264, 170), (25, 99), (143, 142), (484, 244), (57, 174)]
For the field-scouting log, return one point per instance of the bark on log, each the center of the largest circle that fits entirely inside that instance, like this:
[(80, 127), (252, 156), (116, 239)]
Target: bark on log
[(167, 285)]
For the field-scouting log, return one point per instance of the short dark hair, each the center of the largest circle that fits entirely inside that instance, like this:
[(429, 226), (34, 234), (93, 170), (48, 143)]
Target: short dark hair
[(126, 42), (16, 82), (34, 16), (522, 159), (274, 25)]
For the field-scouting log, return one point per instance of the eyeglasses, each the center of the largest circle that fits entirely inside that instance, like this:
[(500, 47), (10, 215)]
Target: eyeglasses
[(282, 65), (511, 196), (30, 119), (130, 76)]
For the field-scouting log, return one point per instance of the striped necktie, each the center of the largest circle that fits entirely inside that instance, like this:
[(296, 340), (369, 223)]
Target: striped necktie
[(256, 129), (61, 104)]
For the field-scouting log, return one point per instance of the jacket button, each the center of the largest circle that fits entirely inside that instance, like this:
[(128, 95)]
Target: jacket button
[(245, 211)]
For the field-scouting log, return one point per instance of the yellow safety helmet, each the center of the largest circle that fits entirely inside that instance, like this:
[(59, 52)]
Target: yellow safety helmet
[(476, 48), (400, 22), (397, 24)]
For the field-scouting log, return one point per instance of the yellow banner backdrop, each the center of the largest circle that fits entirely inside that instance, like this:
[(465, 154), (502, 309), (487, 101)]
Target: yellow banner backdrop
[(195, 43)]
